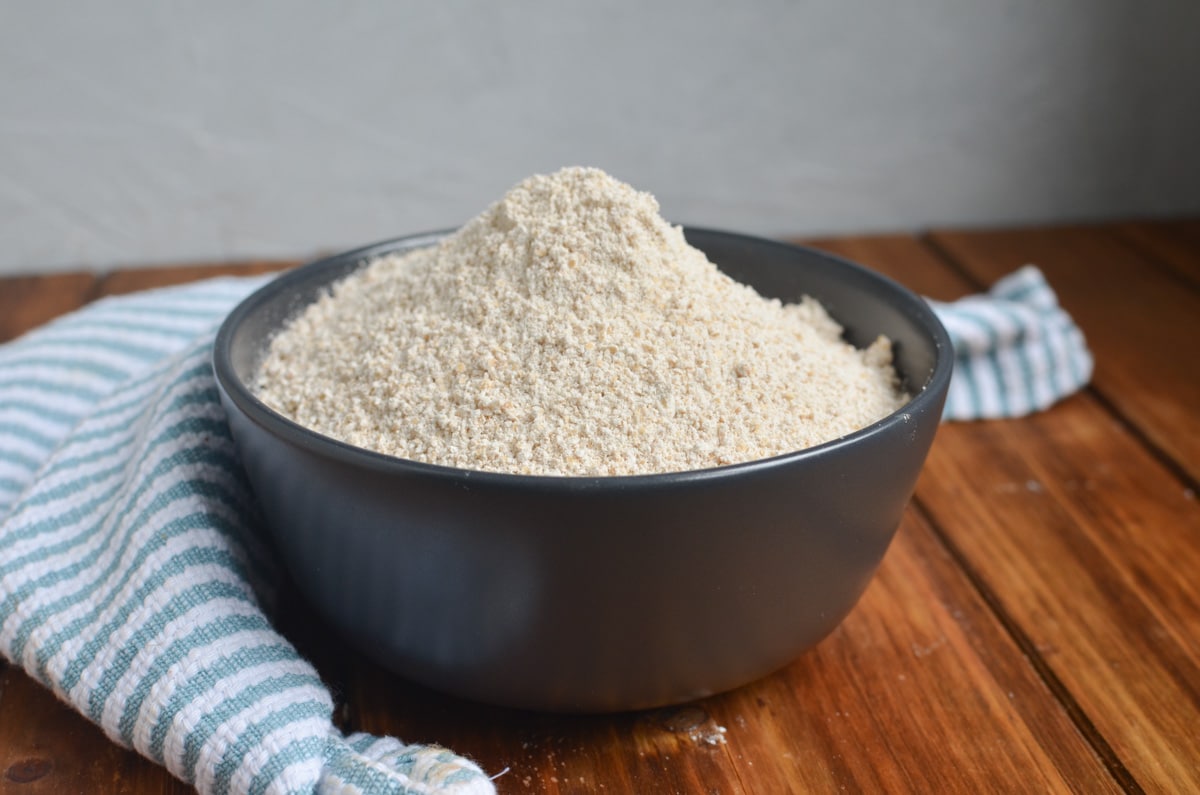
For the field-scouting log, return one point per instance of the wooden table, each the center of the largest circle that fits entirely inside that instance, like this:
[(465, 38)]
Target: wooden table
[(1035, 626)]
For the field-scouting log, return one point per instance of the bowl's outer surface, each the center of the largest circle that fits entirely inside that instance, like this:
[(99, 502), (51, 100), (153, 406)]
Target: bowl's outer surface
[(593, 594)]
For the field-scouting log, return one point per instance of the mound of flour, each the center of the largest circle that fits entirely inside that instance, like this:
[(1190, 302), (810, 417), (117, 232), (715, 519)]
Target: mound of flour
[(570, 330)]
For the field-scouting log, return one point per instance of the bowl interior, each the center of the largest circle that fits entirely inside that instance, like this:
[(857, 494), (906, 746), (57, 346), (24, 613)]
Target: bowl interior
[(866, 303)]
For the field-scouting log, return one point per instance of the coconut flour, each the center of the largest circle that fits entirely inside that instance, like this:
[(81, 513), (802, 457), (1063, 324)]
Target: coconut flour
[(570, 330)]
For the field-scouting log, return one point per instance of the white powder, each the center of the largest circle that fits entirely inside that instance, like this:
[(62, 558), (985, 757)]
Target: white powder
[(570, 330)]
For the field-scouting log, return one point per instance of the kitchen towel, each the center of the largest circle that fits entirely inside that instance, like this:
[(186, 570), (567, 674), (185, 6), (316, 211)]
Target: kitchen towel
[(135, 581), (1016, 351), (135, 577)]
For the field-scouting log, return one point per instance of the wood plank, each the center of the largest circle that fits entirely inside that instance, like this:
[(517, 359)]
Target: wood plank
[(1078, 562), (130, 280), (46, 747), (1086, 543), (1175, 243), (939, 684), (1138, 321), (902, 258), (919, 690), (29, 301)]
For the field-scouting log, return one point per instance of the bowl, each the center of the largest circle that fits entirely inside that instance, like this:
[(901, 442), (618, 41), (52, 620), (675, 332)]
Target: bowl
[(592, 594)]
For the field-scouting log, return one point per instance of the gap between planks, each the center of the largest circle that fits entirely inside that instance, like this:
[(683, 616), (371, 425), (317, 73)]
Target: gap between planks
[(1045, 672), (1138, 435), (1104, 751)]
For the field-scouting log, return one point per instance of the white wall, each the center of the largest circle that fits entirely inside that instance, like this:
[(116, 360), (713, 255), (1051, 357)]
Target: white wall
[(135, 132)]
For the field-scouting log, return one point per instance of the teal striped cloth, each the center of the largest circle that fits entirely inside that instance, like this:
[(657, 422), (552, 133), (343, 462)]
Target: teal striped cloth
[(135, 577), (1016, 350)]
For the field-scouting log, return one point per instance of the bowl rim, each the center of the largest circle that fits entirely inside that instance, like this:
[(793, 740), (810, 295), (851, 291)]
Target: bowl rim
[(931, 392)]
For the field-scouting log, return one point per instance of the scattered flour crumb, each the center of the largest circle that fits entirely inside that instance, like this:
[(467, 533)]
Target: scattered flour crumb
[(570, 330), (711, 734)]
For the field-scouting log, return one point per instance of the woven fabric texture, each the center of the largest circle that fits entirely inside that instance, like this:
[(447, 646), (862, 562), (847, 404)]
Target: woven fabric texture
[(134, 576), (1016, 351)]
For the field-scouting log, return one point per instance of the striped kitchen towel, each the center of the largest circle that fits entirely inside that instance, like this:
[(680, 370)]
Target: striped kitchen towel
[(1016, 351), (135, 577)]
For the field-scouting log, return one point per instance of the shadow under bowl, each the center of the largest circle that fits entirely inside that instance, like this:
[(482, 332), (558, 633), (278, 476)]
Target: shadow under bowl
[(592, 594)]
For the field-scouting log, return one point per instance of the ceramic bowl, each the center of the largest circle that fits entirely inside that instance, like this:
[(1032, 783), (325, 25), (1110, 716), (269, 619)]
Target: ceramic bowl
[(592, 594)]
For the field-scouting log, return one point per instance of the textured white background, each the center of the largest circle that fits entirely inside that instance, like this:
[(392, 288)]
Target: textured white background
[(148, 130)]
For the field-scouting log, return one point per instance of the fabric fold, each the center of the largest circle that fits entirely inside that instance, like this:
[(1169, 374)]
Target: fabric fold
[(1016, 350), (135, 578)]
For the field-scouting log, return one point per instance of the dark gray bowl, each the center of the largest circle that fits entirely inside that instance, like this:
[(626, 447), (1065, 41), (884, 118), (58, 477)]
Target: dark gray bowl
[(598, 593)]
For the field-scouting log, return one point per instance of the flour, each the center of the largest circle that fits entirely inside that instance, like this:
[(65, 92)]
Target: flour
[(570, 330)]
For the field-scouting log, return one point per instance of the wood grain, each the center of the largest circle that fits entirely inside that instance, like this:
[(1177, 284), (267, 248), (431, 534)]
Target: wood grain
[(29, 301), (1174, 244), (921, 671), (133, 279), (1087, 545), (46, 747)]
